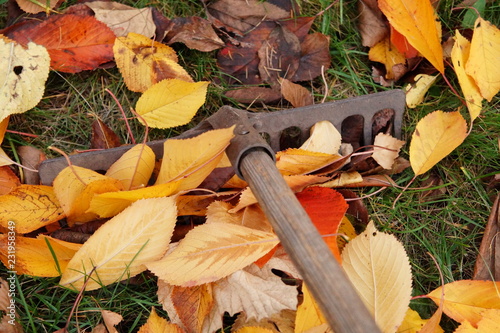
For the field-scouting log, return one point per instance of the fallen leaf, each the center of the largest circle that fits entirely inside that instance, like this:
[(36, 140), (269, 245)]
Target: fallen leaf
[(122, 19), (254, 329), (192, 304), (377, 265), (482, 64), (156, 324), (212, 251), (416, 91), (195, 32), (386, 150), (387, 54), (296, 94), (488, 323), (308, 313), (34, 257), (372, 25), (103, 137), (401, 43), (418, 22), (465, 300), (23, 71), (31, 158), (8, 180), (76, 186), (413, 323), (111, 319), (10, 319), (144, 62), (122, 246), (299, 161), (324, 138), (252, 95), (280, 322), (75, 43), (192, 160), (30, 207), (134, 168), (314, 57), (344, 179), (460, 56), (436, 136), (171, 102), (34, 7)]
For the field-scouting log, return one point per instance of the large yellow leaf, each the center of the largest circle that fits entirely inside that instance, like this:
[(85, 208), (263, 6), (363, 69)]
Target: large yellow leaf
[(192, 160), (111, 203), (134, 168), (23, 72), (295, 161), (30, 207), (413, 323), (483, 58), (387, 54), (171, 102), (144, 62), (308, 313), (157, 324), (459, 57), (436, 135), (377, 265), (75, 187), (212, 251), (467, 299), (34, 257), (489, 323), (418, 22), (123, 245)]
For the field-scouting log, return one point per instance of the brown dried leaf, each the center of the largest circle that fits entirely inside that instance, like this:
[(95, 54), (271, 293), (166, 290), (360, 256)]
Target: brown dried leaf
[(195, 32), (103, 137), (296, 94), (372, 25), (31, 157), (253, 95), (34, 7), (314, 57)]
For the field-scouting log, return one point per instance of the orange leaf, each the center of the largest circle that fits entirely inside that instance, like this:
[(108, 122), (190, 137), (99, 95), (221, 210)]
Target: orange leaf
[(465, 300), (326, 208), (418, 22), (30, 207), (75, 43), (156, 324), (193, 304), (401, 43), (8, 180)]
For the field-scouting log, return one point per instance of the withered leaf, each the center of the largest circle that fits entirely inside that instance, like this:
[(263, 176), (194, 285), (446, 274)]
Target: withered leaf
[(252, 95), (314, 57), (103, 137), (195, 32), (372, 25)]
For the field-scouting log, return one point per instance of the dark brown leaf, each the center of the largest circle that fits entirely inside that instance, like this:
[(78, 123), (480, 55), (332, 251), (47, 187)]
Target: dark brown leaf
[(252, 95), (314, 55), (488, 260), (103, 137), (372, 24), (195, 32)]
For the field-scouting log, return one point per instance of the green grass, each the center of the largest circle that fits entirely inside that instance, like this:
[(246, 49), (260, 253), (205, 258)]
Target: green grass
[(449, 227)]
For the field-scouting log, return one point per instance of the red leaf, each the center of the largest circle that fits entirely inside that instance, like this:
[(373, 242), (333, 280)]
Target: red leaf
[(75, 43), (325, 207), (401, 43)]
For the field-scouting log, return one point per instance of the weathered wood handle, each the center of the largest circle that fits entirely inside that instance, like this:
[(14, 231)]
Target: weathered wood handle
[(337, 298)]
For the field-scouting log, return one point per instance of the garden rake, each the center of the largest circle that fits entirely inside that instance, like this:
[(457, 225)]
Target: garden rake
[(253, 159)]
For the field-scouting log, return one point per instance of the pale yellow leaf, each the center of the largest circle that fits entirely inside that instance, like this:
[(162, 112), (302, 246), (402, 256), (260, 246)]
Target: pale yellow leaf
[(156, 324), (134, 168), (467, 299), (387, 54), (344, 179), (418, 22), (386, 150), (144, 62), (436, 136), (192, 160), (413, 323), (5, 159), (122, 246), (23, 72), (415, 92), (308, 313), (171, 102), (483, 60), (33, 255), (212, 251), (75, 187), (459, 57), (30, 207), (111, 203), (324, 138), (3, 127), (378, 267), (489, 322), (295, 161)]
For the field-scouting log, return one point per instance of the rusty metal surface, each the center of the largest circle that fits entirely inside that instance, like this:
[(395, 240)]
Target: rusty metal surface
[(270, 123)]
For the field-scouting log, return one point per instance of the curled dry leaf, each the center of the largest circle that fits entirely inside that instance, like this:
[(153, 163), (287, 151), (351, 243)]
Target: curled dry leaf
[(386, 150), (24, 71), (103, 137), (122, 246), (324, 138), (195, 32), (171, 102), (372, 26)]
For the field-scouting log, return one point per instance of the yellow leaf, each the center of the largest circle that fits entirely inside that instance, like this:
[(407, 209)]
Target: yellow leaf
[(308, 313), (459, 57), (254, 329), (122, 246), (144, 62), (386, 155), (415, 92), (467, 299), (23, 72), (111, 203), (346, 228), (212, 251), (435, 136), (4, 158), (30, 207), (298, 161), (377, 265), (156, 324), (3, 127), (34, 257), (413, 323), (489, 323), (387, 54), (192, 160), (344, 179), (134, 168), (171, 102), (418, 22), (483, 58), (324, 138), (75, 187)]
